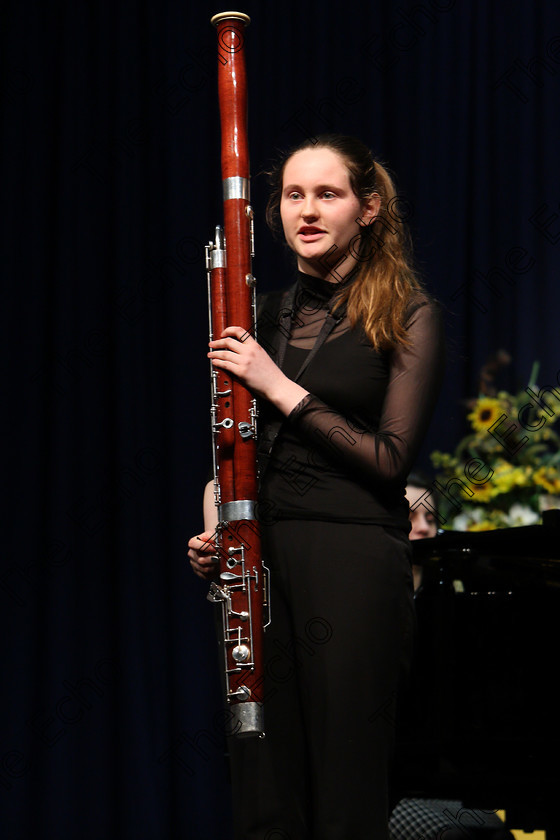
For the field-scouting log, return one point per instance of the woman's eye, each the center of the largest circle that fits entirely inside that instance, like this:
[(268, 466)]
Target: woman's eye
[(328, 194), (294, 195)]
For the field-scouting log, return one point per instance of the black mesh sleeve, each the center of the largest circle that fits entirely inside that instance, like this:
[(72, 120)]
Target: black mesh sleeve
[(388, 452)]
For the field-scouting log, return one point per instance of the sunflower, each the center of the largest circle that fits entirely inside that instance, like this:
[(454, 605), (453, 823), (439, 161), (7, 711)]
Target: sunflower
[(482, 493), (485, 412)]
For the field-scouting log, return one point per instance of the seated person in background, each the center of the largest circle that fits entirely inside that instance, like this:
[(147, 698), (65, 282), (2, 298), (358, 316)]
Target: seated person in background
[(437, 819), (423, 523)]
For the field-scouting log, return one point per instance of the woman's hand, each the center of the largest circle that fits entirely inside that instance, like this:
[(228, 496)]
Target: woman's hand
[(238, 353), (202, 555)]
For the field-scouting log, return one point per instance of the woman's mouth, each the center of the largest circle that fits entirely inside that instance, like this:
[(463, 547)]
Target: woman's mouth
[(308, 233)]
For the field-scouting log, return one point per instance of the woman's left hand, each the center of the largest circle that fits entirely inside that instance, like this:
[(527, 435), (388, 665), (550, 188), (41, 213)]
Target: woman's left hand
[(238, 353)]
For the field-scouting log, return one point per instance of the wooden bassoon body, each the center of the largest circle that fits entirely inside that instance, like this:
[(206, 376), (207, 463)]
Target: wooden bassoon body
[(242, 586)]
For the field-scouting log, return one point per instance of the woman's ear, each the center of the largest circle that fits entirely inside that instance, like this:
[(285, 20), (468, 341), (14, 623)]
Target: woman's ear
[(370, 208)]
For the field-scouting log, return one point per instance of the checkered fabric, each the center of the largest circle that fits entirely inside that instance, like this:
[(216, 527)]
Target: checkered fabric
[(426, 819)]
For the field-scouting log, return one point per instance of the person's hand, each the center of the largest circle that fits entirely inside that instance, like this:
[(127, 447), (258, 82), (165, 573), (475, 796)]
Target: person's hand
[(202, 555), (237, 352)]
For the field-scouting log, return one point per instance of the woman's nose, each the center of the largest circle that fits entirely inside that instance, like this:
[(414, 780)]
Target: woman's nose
[(309, 208), (420, 527)]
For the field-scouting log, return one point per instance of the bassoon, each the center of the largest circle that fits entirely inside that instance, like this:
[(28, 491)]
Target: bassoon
[(242, 586)]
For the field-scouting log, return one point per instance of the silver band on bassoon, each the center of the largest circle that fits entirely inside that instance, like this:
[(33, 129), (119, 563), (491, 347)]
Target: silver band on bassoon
[(237, 510), (246, 719), (236, 187), (218, 259), (218, 252)]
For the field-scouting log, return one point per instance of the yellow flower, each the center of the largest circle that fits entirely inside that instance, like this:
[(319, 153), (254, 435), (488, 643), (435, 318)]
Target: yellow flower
[(549, 479), (482, 493), (482, 526), (506, 477), (519, 484), (486, 411)]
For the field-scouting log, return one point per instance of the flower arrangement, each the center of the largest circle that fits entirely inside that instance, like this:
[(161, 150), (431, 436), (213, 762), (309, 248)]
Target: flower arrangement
[(508, 466)]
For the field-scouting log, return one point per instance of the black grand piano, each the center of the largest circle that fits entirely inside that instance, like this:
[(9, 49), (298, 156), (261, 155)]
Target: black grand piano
[(481, 721)]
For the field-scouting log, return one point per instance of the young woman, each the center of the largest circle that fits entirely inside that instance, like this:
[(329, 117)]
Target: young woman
[(347, 389), (423, 523), (434, 819)]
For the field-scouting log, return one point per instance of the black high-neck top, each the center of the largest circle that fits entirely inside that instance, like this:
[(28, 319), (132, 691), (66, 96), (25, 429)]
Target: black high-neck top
[(345, 451)]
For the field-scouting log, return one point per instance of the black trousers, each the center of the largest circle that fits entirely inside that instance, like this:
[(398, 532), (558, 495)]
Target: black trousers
[(339, 644)]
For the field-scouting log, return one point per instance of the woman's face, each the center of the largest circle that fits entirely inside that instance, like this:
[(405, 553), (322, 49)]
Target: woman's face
[(422, 523), (321, 214)]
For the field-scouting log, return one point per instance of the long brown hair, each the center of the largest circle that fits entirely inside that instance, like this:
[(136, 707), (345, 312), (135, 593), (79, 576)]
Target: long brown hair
[(385, 282)]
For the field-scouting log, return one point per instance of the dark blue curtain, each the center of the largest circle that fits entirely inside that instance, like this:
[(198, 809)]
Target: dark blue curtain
[(110, 718)]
